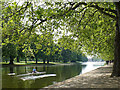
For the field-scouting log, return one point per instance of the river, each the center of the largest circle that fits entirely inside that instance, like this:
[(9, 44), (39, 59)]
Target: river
[(62, 72)]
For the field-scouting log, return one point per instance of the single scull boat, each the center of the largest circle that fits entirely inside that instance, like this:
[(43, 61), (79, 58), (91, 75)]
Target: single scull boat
[(31, 74), (35, 77)]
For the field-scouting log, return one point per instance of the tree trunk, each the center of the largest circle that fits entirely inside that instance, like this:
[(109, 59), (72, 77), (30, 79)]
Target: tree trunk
[(6, 60), (18, 59), (11, 60), (116, 66), (43, 61), (25, 60), (47, 61), (36, 60)]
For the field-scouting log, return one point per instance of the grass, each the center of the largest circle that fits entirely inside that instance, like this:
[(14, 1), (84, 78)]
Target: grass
[(31, 62), (4, 63)]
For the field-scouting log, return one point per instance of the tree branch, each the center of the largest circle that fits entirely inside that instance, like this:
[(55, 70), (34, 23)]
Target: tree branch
[(82, 16), (102, 10), (97, 7), (20, 10), (76, 5), (105, 9)]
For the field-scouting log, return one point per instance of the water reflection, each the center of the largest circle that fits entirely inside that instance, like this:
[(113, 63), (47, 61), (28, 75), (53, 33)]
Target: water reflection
[(91, 66), (62, 72), (11, 69)]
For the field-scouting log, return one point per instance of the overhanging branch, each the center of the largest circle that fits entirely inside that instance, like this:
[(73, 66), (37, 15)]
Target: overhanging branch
[(102, 10), (25, 8), (76, 5)]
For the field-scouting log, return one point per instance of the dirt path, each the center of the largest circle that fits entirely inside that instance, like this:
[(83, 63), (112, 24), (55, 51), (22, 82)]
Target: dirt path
[(98, 78)]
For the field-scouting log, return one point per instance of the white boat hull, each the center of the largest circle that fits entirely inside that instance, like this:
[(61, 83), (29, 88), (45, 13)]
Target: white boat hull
[(11, 74), (31, 74), (36, 77)]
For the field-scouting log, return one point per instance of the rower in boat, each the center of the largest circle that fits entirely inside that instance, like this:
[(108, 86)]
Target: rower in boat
[(34, 70)]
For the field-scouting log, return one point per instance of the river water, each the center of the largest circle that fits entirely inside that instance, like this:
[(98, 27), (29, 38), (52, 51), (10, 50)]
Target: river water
[(62, 72)]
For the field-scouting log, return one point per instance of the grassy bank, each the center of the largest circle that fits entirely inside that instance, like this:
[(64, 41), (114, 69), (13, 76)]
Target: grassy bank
[(22, 63)]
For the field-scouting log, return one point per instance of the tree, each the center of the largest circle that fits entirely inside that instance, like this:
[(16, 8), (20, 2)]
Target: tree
[(9, 51), (104, 10), (116, 67), (86, 21), (11, 31), (20, 54)]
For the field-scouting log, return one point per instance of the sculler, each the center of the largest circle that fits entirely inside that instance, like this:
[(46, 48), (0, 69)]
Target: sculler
[(34, 70)]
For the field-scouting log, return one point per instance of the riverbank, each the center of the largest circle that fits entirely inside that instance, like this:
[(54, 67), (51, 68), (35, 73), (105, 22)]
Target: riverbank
[(98, 78), (34, 64)]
